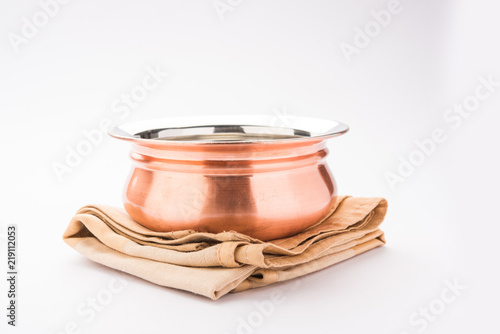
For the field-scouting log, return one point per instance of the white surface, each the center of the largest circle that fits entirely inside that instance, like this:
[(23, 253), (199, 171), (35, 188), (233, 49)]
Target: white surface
[(442, 222)]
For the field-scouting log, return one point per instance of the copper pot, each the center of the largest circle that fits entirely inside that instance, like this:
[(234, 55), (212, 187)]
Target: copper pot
[(222, 173)]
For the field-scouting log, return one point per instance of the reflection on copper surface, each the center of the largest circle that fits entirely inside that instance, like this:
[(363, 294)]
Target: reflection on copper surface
[(266, 191)]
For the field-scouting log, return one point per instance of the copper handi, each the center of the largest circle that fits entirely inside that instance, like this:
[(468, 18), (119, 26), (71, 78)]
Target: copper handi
[(263, 176)]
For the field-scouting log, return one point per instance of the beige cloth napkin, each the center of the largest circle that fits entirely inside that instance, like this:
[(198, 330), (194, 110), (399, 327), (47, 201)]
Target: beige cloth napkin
[(213, 265)]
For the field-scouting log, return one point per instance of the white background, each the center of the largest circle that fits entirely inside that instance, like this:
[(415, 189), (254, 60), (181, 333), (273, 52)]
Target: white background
[(264, 57)]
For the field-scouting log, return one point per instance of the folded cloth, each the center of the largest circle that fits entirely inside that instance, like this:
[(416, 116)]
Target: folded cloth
[(213, 265)]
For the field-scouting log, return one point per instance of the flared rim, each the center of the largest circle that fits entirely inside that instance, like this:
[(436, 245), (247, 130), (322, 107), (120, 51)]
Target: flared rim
[(228, 129)]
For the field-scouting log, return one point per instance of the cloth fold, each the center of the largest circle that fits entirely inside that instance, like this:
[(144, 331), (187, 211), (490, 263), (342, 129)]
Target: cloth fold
[(213, 265)]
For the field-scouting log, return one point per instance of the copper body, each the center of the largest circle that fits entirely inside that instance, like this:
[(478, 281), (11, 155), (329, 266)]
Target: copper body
[(267, 190)]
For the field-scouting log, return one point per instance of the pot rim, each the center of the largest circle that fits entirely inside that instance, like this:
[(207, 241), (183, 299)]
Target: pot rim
[(228, 129)]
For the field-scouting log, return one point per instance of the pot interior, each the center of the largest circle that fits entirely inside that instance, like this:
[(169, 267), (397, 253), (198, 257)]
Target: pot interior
[(223, 133)]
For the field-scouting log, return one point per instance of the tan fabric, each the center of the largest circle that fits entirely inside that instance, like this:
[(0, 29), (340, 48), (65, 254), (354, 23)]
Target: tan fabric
[(213, 265)]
